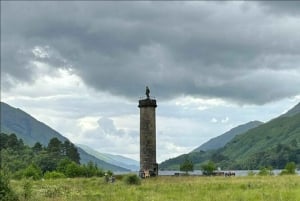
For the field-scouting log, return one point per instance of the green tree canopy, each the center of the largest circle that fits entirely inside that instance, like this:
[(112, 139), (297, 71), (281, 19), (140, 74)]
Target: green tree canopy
[(187, 166), (208, 168)]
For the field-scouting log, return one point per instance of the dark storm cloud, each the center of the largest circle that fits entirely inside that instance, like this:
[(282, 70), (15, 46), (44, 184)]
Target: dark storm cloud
[(281, 7), (207, 49)]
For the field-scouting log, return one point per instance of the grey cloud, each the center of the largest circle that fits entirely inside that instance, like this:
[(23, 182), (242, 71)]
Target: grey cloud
[(107, 125), (193, 48), (281, 7)]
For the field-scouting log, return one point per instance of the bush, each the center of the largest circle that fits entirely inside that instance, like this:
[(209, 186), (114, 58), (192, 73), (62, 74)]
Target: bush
[(290, 168), (32, 171), (27, 187), (119, 177), (6, 193), (54, 175), (132, 179), (265, 171), (74, 170), (208, 168)]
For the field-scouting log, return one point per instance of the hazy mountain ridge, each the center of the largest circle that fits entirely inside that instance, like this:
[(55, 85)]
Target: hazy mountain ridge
[(221, 140), (118, 160), (273, 143), (30, 130)]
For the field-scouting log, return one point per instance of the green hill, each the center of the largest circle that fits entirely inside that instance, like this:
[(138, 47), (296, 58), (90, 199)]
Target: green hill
[(271, 144), (30, 130), (220, 141), (274, 143)]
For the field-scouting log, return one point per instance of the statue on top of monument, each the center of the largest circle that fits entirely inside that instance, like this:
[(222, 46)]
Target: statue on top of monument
[(147, 92)]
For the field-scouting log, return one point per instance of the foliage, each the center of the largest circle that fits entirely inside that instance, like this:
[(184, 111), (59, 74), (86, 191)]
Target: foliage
[(132, 179), (265, 171), (195, 157), (109, 173), (6, 192), (290, 168), (27, 187), (33, 162), (187, 166), (208, 168), (32, 171), (54, 175), (73, 170), (91, 169)]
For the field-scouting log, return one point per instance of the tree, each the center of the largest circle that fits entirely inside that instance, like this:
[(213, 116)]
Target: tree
[(265, 171), (62, 165), (187, 166), (37, 147), (290, 168), (46, 161), (71, 151), (208, 168), (54, 146)]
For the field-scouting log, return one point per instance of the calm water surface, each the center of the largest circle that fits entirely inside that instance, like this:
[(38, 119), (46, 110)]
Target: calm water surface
[(199, 172)]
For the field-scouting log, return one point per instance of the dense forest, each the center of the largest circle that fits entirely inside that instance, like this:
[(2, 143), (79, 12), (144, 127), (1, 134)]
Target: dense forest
[(57, 159)]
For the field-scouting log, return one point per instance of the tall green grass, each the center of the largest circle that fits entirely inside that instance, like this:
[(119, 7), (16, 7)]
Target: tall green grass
[(256, 188)]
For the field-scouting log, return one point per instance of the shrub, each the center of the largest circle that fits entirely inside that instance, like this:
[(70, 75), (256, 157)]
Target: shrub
[(119, 177), (265, 171), (73, 170), (208, 168), (6, 193), (290, 168), (27, 187), (54, 175), (32, 171), (132, 179)]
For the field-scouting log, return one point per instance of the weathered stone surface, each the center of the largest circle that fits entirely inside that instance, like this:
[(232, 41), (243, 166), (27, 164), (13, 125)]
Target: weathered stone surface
[(148, 136)]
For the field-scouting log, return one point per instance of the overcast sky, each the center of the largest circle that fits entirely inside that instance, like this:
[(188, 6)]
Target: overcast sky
[(81, 67)]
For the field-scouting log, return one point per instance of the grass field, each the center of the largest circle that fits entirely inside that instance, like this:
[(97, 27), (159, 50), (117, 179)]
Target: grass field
[(256, 188)]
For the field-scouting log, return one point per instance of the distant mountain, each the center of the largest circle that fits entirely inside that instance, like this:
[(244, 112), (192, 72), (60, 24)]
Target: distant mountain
[(270, 144), (274, 143), (220, 141), (30, 130), (118, 160)]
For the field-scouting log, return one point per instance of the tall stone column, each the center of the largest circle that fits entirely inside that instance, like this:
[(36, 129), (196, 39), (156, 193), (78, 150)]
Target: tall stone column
[(148, 137)]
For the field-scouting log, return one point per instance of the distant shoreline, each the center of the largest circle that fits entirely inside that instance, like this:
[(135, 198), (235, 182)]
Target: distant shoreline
[(199, 172)]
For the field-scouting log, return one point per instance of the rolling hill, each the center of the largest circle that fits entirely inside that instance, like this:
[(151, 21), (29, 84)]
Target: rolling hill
[(273, 143), (118, 160), (220, 141), (30, 130)]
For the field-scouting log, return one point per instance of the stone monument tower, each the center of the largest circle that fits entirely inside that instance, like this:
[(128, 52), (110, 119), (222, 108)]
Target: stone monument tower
[(148, 164)]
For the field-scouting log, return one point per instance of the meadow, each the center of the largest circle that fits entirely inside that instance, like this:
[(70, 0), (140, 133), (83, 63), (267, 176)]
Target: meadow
[(163, 188)]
